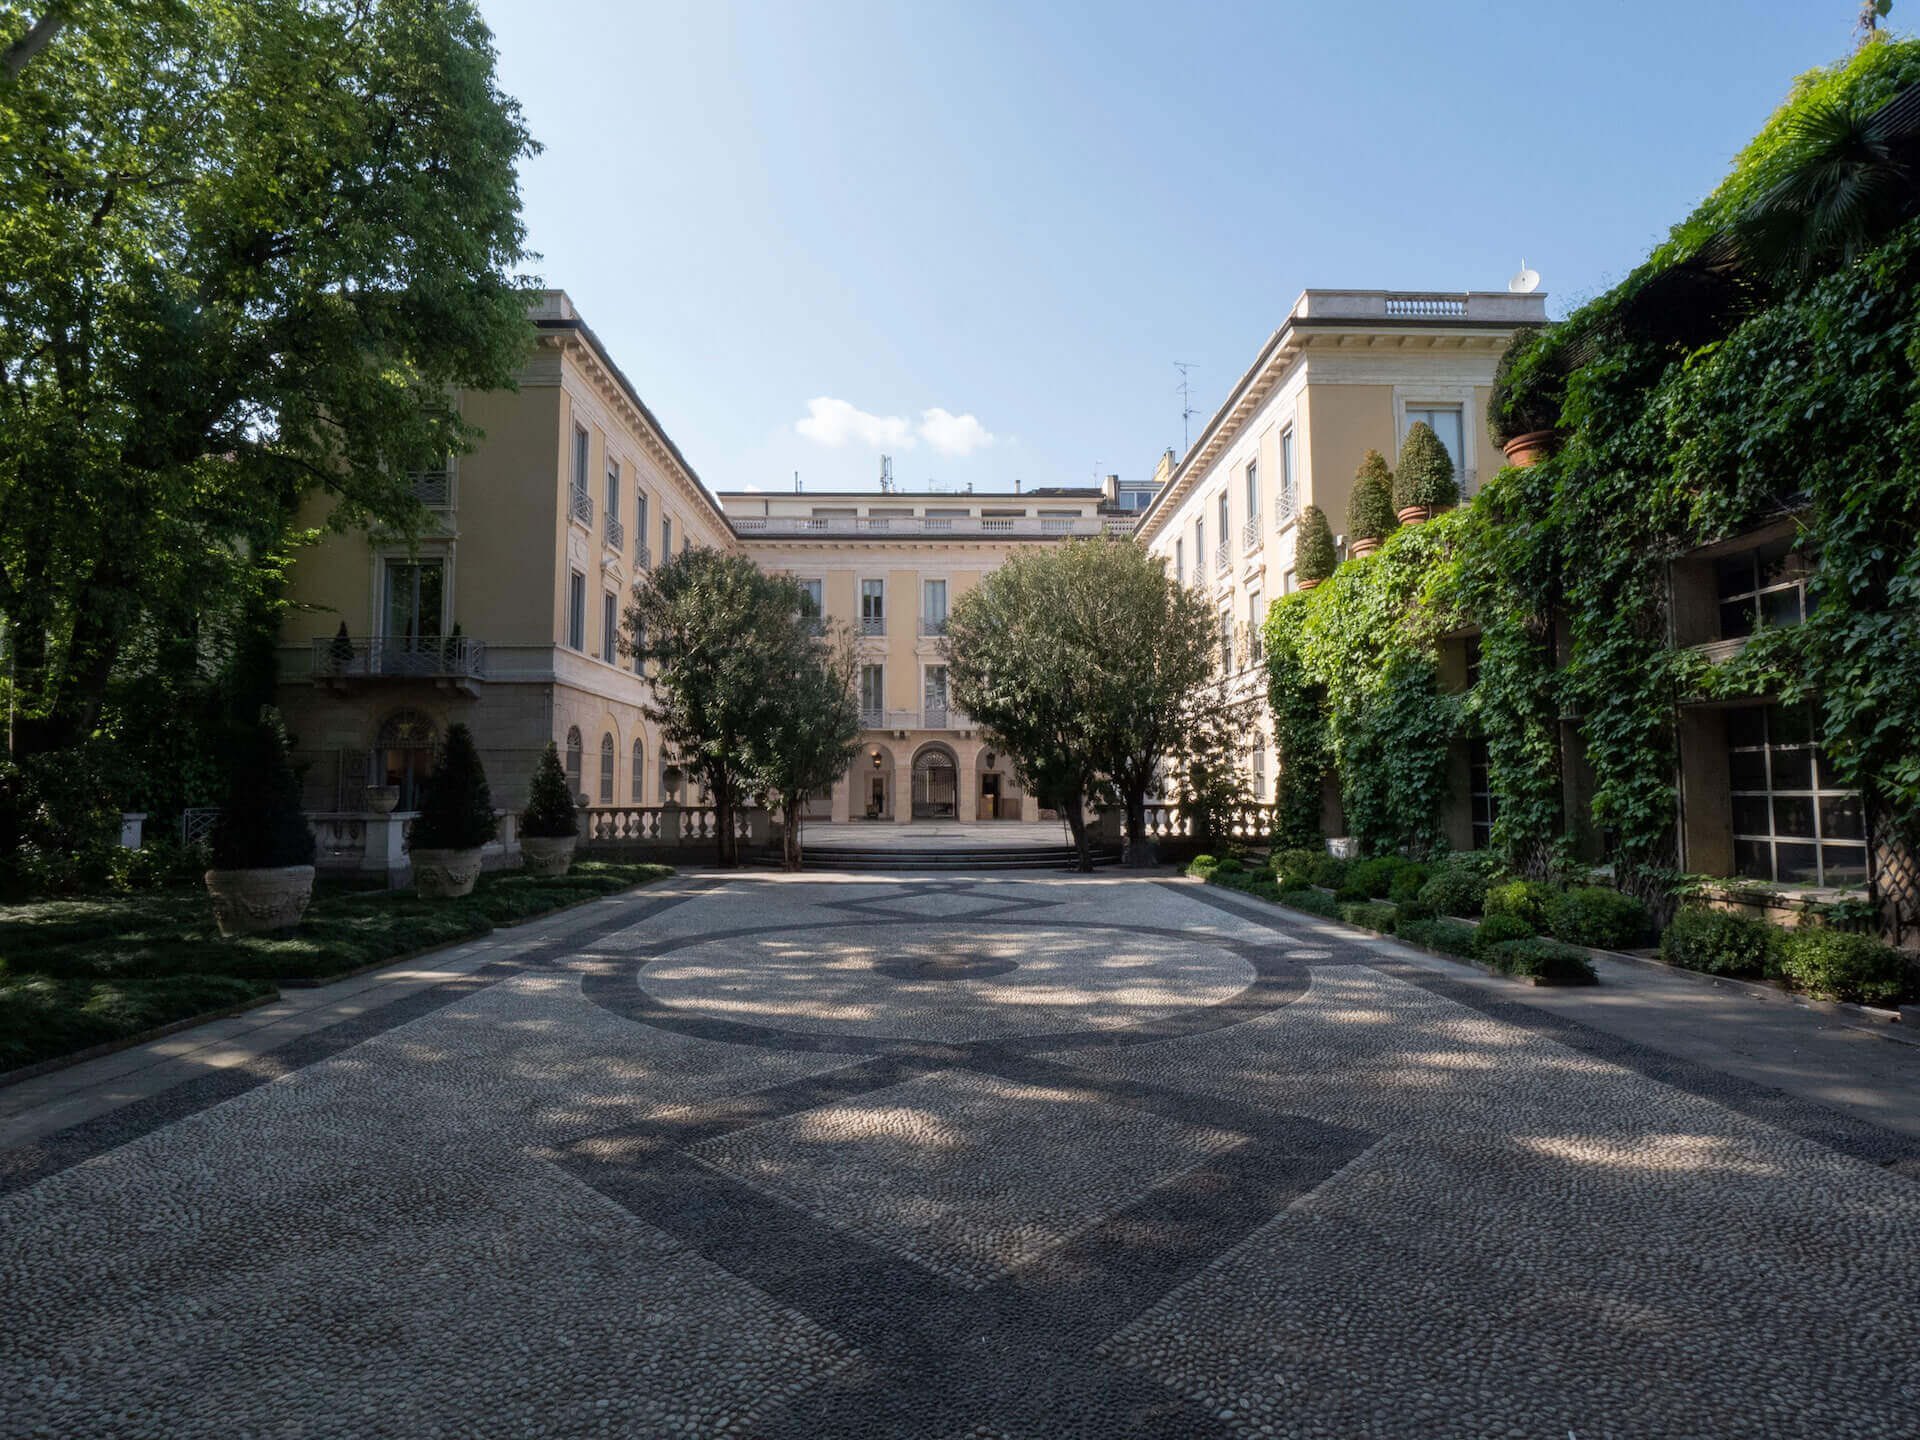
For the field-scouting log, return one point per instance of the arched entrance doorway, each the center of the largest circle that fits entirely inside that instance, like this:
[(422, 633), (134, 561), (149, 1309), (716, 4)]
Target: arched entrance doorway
[(936, 784), (403, 754), (871, 793)]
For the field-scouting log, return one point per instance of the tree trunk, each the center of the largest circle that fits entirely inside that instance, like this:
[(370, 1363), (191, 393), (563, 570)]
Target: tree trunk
[(1139, 850), (1076, 812), (726, 852), (790, 831)]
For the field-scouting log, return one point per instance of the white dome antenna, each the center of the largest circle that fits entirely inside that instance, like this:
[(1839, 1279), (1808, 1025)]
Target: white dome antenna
[(1526, 282)]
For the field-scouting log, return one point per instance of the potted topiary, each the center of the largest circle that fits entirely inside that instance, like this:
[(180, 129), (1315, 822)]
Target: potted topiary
[(1313, 552), (455, 821), (262, 850), (549, 826), (1424, 482), (1524, 409), (1370, 517), (340, 651)]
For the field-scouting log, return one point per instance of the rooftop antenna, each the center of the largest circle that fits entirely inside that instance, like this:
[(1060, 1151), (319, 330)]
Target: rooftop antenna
[(796, 482), (1187, 412), (1526, 282), (886, 474)]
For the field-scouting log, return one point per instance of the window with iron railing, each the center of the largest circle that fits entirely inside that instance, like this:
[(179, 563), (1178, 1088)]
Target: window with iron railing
[(873, 607), (433, 487), (1286, 502)]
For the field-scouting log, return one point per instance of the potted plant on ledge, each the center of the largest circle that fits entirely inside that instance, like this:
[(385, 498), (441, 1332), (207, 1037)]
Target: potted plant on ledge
[(550, 826), (455, 822), (1424, 483), (262, 875), (1313, 557), (1370, 517), (1524, 410)]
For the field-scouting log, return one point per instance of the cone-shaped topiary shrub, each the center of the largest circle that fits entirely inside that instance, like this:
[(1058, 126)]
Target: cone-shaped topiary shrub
[(1425, 476), (1370, 514), (456, 808), (341, 648), (260, 825), (1313, 552), (550, 811)]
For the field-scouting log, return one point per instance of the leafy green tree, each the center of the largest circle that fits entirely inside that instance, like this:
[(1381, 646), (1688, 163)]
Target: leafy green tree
[(260, 826), (813, 733), (1370, 513), (1313, 558), (1425, 475), (248, 244), (550, 812), (722, 635), (456, 804)]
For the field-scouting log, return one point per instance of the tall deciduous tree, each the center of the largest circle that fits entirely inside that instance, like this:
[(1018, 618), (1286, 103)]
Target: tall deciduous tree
[(723, 635), (814, 730), (248, 246)]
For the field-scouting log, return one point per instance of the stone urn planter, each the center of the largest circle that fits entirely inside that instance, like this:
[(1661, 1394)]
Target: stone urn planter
[(1523, 450), (1362, 547), (253, 902), (1415, 514), (445, 874), (383, 799), (547, 857)]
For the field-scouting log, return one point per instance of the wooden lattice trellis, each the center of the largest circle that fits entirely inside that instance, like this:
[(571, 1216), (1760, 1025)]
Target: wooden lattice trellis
[(1895, 878)]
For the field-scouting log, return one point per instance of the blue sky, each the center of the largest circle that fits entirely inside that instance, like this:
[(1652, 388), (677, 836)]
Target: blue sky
[(976, 236)]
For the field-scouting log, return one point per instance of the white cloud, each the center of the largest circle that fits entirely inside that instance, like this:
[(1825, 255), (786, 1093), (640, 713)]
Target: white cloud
[(953, 434), (835, 422)]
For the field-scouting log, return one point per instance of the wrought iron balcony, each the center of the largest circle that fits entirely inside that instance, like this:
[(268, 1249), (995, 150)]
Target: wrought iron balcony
[(872, 719), (1283, 507), (643, 557), (389, 657), (873, 624), (1222, 560), (933, 625), (582, 507), (1250, 536), (616, 532), (432, 488)]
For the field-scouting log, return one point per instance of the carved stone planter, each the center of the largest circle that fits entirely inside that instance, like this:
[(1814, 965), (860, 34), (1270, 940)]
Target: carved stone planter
[(547, 857), (445, 874), (1523, 450), (252, 902)]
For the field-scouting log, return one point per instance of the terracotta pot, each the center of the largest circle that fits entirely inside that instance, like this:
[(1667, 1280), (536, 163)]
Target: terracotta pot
[(1415, 514), (1523, 450), (252, 902), (445, 874), (1305, 584), (1362, 547), (547, 857)]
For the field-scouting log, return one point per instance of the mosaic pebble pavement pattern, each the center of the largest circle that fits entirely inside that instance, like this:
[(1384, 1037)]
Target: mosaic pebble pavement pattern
[(949, 1157)]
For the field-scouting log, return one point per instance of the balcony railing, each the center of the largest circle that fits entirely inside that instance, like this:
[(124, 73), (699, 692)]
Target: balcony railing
[(814, 624), (1250, 536), (933, 625), (872, 719), (432, 488), (643, 557), (419, 657), (616, 532), (873, 624), (1222, 561), (1042, 528), (583, 507), (936, 715), (1283, 507)]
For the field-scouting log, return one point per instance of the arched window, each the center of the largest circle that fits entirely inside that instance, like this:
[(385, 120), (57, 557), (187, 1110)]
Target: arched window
[(606, 769), (639, 771), (574, 762), (403, 754)]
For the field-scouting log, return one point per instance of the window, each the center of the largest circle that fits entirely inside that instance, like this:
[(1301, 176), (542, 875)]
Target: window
[(1765, 587), (666, 538), (415, 602), (1226, 519), (1200, 549), (580, 459), (1226, 639), (1253, 489), (934, 692), (1444, 420), (574, 761), (640, 523), (1287, 582), (639, 772), (609, 627), (873, 693), (933, 607), (1288, 495), (613, 491), (1256, 644), (810, 597), (1792, 822), (873, 607), (1179, 562), (1473, 661), (577, 610), (1480, 802), (1260, 772), (606, 769)]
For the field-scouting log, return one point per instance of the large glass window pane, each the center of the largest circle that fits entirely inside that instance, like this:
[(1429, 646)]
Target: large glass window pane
[(1747, 726), (1747, 769), (1734, 576), (1750, 815), (1781, 607), (1793, 815), (1793, 770), (1844, 864), (1736, 619), (1789, 725), (1753, 859), (1840, 818), (416, 592), (1795, 864)]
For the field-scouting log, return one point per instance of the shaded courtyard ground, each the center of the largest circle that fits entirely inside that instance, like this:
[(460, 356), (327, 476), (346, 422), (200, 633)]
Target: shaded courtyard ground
[(945, 1156)]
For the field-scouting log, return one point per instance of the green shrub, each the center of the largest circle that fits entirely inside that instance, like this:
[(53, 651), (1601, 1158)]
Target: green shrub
[(550, 810), (1498, 930), (1313, 550), (1718, 942), (456, 808), (1329, 872), (1408, 881), (1458, 884), (1294, 869), (1370, 513), (1528, 899), (1203, 866), (1229, 865), (1837, 965), (260, 826), (1370, 915), (1546, 959), (1449, 937), (1597, 915), (1314, 902), (1350, 892), (1415, 909), (1376, 876), (1425, 473)]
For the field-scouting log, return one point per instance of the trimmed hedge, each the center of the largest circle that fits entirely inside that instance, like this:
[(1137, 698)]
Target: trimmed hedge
[(1527, 899), (1839, 965), (1543, 959), (1408, 881), (1499, 930), (1376, 876), (1718, 942), (1450, 937), (1597, 915), (1370, 915), (1294, 869), (1314, 902), (1330, 872), (1458, 884)]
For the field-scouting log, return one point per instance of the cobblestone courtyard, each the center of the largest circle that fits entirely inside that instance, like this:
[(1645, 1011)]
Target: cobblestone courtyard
[(947, 1157)]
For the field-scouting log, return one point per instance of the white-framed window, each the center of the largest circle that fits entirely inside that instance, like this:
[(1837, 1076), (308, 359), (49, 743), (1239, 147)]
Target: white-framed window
[(666, 538), (1792, 820), (606, 768), (414, 602), (576, 611), (640, 518), (1200, 548), (1226, 639), (1445, 422), (933, 607), (1256, 643), (1289, 501), (873, 607), (580, 447), (1762, 588), (609, 627), (613, 490), (933, 690), (812, 599), (1226, 518), (1179, 562), (1253, 489), (873, 695)]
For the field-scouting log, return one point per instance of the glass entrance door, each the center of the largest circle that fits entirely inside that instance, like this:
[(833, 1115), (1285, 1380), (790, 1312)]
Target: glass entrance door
[(415, 599)]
